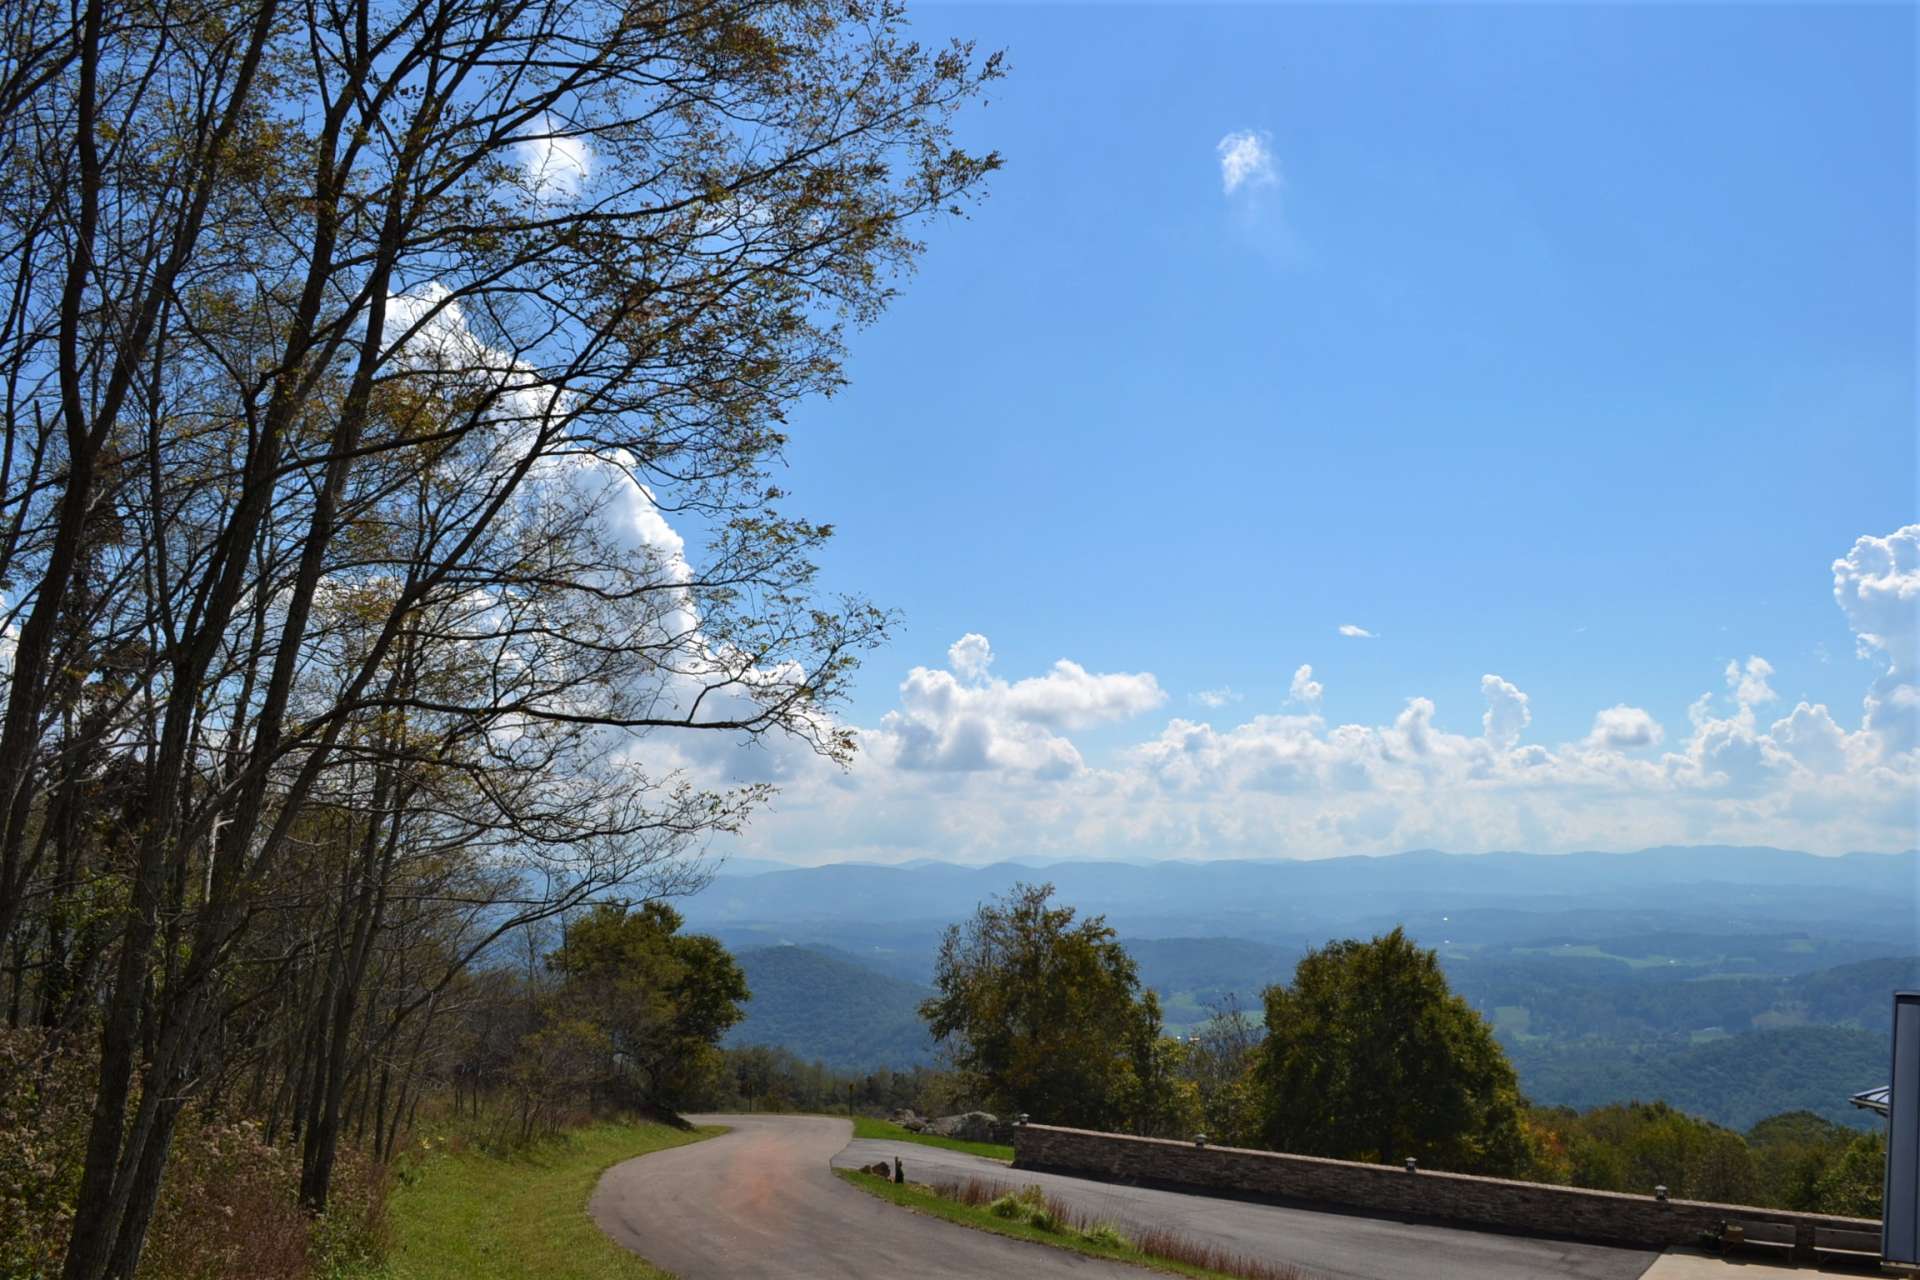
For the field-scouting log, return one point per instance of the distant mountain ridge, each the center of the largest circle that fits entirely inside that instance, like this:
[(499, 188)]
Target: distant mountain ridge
[(1471, 898)]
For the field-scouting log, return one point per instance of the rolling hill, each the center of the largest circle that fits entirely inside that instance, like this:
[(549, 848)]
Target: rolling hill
[(823, 1004)]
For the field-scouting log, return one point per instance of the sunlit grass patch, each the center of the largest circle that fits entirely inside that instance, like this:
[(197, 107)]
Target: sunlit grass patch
[(465, 1215)]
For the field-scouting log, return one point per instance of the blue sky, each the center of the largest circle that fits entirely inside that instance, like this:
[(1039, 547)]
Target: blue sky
[(1567, 345)]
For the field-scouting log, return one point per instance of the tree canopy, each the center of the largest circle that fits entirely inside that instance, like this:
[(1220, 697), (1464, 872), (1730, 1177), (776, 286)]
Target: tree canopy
[(1044, 1015), (1369, 1056), (662, 999)]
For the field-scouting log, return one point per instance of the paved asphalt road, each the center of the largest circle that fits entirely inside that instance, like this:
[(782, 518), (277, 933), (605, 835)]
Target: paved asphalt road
[(761, 1201)]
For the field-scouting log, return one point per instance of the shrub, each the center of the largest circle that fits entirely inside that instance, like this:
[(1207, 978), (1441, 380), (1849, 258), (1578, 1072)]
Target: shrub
[(229, 1205), (974, 1192), (352, 1236), (1108, 1236), (46, 1094), (1008, 1206)]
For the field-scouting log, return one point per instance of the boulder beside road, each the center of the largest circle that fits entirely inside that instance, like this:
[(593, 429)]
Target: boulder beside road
[(972, 1126)]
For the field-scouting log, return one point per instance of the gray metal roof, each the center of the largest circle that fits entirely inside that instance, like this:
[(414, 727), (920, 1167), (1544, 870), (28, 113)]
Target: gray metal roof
[(1874, 1099)]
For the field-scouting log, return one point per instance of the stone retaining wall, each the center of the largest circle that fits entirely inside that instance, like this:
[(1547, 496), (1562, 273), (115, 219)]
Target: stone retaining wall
[(1640, 1221)]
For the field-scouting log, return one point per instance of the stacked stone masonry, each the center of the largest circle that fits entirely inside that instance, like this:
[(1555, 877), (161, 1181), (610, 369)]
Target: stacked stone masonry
[(1540, 1208)]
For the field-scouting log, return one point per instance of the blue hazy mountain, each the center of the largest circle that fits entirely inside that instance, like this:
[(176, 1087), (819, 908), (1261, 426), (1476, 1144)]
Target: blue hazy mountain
[(1463, 899)]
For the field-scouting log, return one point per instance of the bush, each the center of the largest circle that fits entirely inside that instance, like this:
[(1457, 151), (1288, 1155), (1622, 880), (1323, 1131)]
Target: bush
[(229, 1202), (1108, 1236), (351, 1238), (229, 1205), (46, 1095)]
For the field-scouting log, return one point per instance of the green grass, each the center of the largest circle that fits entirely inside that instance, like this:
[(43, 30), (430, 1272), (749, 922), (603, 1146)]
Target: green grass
[(921, 1200), (469, 1216), (869, 1127)]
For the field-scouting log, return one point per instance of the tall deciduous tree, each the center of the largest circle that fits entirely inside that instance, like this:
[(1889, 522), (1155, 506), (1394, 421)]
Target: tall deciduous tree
[(1369, 1056), (1044, 1015), (353, 357)]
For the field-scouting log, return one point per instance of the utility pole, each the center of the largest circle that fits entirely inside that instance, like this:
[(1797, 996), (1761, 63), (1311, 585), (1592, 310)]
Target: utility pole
[(849, 1099)]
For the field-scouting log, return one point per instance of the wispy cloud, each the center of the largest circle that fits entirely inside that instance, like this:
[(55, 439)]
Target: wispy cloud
[(1217, 698), (1352, 632), (1246, 160)]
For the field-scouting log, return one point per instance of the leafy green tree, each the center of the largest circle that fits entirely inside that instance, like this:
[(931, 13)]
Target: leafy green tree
[(1791, 1152), (1044, 1015), (1370, 1056), (1854, 1183), (1158, 1098), (661, 998)]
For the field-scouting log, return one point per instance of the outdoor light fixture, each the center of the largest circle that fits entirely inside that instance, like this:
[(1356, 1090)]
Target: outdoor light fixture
[(1660, 1192), (1199, 1139), (1413, 1165), (1021, 1119)]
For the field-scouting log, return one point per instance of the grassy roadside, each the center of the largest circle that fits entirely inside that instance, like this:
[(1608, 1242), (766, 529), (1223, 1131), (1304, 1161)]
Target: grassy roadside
[(869, 1127), (469, 1216), (921, 1200)]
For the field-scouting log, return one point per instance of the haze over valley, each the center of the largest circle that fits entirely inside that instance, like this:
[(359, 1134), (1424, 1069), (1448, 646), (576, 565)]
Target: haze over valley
[(1735, 983)]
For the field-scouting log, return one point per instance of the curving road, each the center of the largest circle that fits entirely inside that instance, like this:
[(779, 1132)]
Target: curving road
[(761, 1201)]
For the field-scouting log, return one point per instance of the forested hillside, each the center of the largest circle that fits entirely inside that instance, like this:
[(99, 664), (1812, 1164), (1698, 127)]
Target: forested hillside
[(1736, 1081), (825, 1006)]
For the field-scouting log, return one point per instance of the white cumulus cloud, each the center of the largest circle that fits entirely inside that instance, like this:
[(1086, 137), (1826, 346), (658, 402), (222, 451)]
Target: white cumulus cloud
[(975, 766), (970, 656), (1352, 632), (1877, 586), (1624, 728), (1246, 160), (1507, 714), (962, 720), (1749, 683)]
